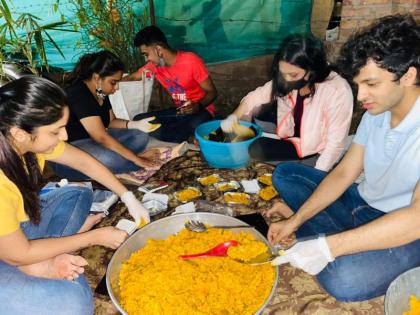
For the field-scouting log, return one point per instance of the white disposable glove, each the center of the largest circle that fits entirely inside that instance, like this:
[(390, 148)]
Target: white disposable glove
[(312, 256), (135, 208), (227, 124), (143, 124)]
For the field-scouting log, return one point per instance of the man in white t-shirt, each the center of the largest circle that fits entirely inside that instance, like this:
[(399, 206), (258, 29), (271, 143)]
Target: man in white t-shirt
[(358, 238)]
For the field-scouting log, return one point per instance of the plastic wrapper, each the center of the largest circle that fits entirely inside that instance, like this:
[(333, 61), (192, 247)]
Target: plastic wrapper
[(214, 207)]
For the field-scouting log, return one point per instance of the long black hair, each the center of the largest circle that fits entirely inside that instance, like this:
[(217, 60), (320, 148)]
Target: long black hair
[(103, 62), (27, 103), (305, 52)]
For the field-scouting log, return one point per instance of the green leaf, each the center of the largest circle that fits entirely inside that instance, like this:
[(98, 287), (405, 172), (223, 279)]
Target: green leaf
[(54, 44), (41, 48)]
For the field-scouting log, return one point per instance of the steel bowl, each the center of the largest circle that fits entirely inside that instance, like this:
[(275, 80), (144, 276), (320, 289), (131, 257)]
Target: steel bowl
[(161, 229), (399, 291)]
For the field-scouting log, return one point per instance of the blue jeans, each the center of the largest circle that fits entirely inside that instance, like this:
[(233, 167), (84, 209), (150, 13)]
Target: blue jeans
[(64, 210), (175, 127), (354, 277), (133, 139)]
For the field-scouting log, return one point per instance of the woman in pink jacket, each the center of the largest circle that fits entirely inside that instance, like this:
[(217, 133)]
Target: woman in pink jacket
[(314, 107)]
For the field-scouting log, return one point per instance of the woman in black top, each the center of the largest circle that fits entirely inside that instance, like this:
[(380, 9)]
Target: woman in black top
[(92, 124)]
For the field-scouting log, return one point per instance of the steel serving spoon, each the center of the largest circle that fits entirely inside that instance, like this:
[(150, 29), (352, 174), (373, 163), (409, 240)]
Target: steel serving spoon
[(199, 227)]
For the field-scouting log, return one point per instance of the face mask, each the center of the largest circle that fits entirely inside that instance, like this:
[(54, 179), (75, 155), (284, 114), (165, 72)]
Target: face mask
[(289, 86), (161, 60)]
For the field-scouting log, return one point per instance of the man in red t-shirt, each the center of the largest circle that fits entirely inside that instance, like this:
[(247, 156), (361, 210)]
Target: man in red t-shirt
[(186, 79)]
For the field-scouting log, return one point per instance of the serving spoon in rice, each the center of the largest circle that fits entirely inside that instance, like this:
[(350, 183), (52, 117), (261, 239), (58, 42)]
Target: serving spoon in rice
[(199, 227), (221, 250), (218, 251)]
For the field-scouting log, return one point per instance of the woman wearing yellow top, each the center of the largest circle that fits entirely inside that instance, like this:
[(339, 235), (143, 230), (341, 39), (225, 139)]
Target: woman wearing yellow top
[(37, 234)]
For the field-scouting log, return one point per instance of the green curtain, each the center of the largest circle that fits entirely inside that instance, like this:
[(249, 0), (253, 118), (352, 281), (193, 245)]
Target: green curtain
[(217, 30)]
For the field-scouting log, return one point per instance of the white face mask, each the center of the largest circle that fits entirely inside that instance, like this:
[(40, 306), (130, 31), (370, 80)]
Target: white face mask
[(161, 60)]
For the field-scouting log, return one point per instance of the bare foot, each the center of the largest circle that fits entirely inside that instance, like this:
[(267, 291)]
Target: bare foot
[(279, 210), (151, 154), (64, 266), (90, 221)]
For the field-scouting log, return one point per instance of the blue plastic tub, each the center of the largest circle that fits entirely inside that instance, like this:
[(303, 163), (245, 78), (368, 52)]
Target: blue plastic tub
[(224, 155)]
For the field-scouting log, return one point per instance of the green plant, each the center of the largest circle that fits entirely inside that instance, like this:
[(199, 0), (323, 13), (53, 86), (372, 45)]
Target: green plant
[(112, 25), (24, 39)]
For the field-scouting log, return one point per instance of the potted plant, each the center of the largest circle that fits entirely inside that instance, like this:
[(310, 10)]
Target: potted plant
[(112, 25), (23, 42)]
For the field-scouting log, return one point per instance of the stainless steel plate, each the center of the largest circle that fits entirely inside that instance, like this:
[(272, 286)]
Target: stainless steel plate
[(161, 229)]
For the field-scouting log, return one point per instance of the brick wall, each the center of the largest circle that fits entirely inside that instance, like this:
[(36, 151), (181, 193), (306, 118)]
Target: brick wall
[(360, 13)]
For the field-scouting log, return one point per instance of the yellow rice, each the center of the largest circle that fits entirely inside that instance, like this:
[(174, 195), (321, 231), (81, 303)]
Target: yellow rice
[(154, 280), (414, 306), (247, 250)]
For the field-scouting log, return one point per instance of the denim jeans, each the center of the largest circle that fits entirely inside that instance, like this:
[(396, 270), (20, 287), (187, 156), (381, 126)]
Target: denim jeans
[(354, 277), (175, 127), (133, 139), (64, 210)]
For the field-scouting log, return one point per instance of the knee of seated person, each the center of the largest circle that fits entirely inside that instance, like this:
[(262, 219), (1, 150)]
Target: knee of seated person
[(49, 297), (138, 135), (136, 132), (282, 173), (76, 298), (341, 283), (287, 168), (84, 193), (77, 190)]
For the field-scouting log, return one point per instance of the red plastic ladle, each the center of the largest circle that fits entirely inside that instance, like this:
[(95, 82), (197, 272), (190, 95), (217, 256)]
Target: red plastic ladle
[(218, 251)]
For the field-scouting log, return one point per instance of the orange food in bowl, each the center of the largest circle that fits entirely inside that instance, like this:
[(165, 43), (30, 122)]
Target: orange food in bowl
[(414, 306), (154, 280), (237, 198), (268, 193), (266, 179), (247, 251), (208, 180), (225, 186), (188, 194)]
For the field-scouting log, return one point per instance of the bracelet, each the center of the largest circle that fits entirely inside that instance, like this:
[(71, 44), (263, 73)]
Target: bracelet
[(126, 124)]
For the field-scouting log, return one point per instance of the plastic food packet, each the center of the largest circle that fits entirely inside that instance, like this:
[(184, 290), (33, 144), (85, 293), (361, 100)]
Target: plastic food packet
[(214, 207)]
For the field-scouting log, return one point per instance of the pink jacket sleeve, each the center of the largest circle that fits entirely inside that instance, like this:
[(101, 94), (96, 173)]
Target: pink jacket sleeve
[(255, 99), (338, 116)]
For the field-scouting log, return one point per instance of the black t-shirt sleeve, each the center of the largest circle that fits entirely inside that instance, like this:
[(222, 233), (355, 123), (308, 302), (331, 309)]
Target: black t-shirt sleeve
[(107, 104), (81, 102)]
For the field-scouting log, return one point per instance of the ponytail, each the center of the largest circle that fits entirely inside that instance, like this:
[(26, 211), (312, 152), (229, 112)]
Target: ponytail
[(82, 70), (104, 63)]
